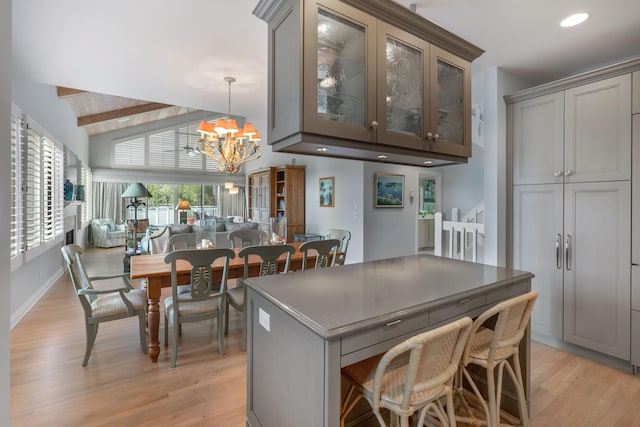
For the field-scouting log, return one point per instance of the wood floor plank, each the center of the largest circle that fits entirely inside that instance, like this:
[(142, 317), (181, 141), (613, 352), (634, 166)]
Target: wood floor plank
[(121, 387)]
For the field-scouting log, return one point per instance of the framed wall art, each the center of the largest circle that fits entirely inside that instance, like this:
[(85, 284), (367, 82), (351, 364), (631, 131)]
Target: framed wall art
[(326, 190), (389, 190)]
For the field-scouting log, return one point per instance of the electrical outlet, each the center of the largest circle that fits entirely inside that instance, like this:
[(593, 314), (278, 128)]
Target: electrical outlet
[(264, 319)]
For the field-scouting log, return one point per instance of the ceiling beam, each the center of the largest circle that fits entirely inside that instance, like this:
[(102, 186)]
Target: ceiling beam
[(123, 112), (64, 92)]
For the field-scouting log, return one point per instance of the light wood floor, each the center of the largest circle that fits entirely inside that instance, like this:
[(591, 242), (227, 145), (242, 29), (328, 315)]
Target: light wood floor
[(121, 387)]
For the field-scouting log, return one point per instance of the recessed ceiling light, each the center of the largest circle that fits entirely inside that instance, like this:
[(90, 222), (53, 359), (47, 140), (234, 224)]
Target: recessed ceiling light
[(574, 20), (323, 149), (382, 156), (428, 162)]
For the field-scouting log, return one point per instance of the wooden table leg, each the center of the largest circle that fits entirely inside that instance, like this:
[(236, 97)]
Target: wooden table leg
[(153, 317)]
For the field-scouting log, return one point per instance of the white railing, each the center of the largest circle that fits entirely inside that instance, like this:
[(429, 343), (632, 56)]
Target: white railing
[(164, 215), (462, 236)]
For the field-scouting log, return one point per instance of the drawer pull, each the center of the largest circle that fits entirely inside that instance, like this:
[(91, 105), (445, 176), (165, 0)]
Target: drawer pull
[(395, 322), (464, 301)]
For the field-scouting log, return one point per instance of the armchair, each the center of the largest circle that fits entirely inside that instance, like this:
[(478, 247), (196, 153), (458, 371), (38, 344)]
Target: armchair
[(106, 234), (104, 305)]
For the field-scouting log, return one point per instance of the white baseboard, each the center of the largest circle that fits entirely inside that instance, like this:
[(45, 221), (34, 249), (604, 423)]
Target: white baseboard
[(28, 305)]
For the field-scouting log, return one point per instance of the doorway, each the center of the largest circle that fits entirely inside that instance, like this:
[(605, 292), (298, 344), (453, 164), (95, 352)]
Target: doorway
[(429, 202)]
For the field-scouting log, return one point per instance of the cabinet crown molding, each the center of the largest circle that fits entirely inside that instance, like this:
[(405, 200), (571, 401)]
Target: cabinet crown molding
[(614, 70), (399, 16)]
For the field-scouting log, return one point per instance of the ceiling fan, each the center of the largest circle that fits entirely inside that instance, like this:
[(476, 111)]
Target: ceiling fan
[(190, 150)]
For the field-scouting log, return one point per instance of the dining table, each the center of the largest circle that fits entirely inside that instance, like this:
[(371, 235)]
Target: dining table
[(157, 275)]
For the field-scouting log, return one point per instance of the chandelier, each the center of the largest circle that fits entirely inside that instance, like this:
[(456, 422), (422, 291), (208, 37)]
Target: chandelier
[(227, 145)]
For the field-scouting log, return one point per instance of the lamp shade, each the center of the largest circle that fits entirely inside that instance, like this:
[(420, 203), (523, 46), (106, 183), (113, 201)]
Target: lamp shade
[(183, 205), (136, 190), (228, 185)]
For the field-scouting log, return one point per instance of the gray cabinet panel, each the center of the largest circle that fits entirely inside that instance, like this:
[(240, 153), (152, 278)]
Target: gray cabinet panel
[(292, 371), (635, 338), (598, 131), (635, 197), (537, 228), (538, 140), (597, 276), (636, 93)]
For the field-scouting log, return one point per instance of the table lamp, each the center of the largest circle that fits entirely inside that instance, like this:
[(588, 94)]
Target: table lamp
[(183, 205), (134, 191)]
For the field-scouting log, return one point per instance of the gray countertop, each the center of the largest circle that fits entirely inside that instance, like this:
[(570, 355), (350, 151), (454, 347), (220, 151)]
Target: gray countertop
[(341, 300)]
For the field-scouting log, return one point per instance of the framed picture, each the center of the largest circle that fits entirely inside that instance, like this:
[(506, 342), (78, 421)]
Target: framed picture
[(389, 190), (326, 192)]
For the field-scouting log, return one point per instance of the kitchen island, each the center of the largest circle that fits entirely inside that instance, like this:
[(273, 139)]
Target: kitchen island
[(303, 327)]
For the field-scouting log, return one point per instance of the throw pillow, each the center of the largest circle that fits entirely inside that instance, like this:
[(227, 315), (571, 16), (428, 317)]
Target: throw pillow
[(242, 226)]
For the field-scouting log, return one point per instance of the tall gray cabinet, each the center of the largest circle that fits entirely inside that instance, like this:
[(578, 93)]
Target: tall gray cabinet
[(635, 226), (571, 205)]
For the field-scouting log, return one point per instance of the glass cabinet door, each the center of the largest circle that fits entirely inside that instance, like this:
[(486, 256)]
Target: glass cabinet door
[(401, 97), (338, 50), (450, 115)]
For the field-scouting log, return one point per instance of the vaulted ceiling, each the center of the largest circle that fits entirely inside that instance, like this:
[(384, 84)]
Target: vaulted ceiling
[(178, 53)]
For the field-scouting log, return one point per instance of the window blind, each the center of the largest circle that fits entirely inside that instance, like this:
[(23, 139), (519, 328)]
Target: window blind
[(33, 177), (16, 243), (129, 153), (87, 181), (162, 150)]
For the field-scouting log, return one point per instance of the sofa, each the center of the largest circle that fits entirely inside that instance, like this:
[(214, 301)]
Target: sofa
[(156, 240), (107, 234)]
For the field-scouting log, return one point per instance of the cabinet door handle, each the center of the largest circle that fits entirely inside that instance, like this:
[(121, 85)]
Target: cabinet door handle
[(558, 256), (558, 173), (567, 252), (429, 136), (374, 125), (464, 301), (395, 322), (436, 137), (568, 173)]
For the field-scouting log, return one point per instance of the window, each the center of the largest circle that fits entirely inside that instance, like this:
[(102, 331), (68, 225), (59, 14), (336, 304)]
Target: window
[(86, 178), (166, 149), (37, 189), (16, 245), (164, 198)]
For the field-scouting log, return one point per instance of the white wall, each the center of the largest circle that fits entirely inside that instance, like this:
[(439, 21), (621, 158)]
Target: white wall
[(390, 232), (347, 213), (463, 184), (40, 102), (5, 191), (496, 83)]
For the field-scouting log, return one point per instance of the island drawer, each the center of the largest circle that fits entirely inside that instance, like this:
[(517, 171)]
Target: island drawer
[(456, 308), (508, 291), (392, 329)]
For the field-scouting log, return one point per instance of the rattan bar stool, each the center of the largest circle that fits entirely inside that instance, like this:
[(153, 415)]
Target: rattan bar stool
[(490, 347), (415, 375)]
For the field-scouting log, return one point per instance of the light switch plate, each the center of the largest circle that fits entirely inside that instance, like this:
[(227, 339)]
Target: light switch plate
[(264, 319)]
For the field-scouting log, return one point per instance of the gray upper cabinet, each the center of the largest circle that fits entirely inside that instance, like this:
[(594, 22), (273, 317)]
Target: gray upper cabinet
[(367, 80), (582, 134), (538, 140), (636, 92), (598, 131)]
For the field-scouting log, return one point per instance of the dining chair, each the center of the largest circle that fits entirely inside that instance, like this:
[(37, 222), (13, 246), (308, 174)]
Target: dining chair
[(494, 339), (204, 300), (269, 261), (415, 375), (344, 236), (182, 241), (242, 238), (326, 252), (104, 304)]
